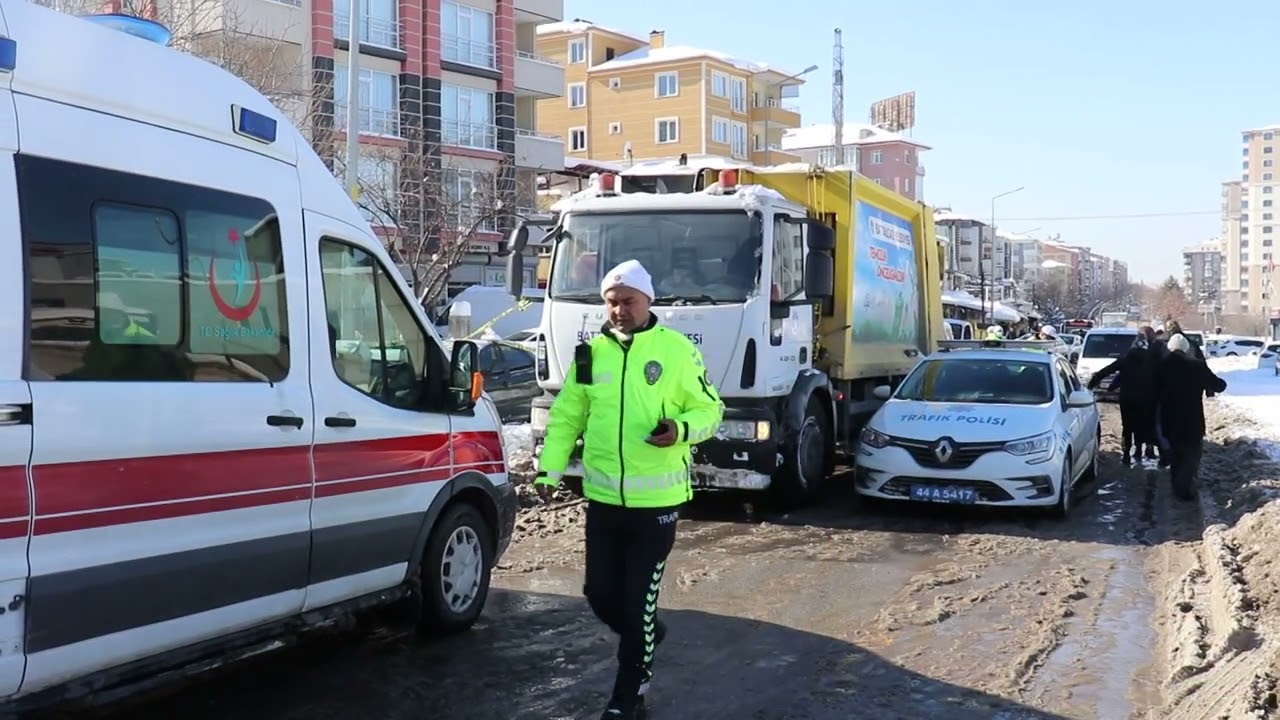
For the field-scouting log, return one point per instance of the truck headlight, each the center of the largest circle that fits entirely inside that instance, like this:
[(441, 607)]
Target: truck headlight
[(1035, 445), (756, 430), (538, 418), (873, 438)]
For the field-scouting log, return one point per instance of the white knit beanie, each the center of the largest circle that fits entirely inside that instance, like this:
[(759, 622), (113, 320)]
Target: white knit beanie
[(629, 273)]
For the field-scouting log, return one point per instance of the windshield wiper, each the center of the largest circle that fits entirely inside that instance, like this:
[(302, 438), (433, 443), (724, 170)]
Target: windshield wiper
[(685, 300)]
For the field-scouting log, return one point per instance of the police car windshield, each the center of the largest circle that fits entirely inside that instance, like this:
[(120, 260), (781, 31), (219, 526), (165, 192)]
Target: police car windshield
[(956, 379), (1107, 345), (694, 257)]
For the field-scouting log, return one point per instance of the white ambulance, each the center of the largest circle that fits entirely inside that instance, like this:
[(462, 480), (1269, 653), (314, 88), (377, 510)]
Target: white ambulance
[(223, 418)]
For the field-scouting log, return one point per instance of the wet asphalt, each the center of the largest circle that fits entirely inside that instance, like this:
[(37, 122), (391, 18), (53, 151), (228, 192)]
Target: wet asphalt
[(845, 610)]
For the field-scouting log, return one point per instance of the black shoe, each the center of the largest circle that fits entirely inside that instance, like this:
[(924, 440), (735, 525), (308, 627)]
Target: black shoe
[(629, 709)]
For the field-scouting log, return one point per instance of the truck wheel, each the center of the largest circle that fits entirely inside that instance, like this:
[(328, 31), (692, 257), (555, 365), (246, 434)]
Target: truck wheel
[(804, 458), (455, 571)]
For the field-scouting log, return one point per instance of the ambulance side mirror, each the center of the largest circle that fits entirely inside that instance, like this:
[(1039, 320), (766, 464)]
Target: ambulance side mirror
[(466, 384)]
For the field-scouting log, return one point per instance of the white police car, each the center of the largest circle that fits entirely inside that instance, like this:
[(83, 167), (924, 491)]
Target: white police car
[(982, 422)]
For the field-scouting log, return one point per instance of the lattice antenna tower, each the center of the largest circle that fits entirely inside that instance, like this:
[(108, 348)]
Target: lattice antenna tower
[(837, 99)]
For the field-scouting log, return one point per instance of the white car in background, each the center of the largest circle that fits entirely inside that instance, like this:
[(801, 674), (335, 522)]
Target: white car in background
[(985, 423), (1237, 346), (1101, 347)]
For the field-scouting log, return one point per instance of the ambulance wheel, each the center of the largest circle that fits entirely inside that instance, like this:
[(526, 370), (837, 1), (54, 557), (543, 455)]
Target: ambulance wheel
[(804, 458), (455, 571)]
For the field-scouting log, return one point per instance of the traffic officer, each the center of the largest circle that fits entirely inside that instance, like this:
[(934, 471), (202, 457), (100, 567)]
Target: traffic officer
[(639, 396)]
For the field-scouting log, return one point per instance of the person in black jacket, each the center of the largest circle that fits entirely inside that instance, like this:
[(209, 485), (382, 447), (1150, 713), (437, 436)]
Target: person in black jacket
[(1181, 383), (1137, 408)]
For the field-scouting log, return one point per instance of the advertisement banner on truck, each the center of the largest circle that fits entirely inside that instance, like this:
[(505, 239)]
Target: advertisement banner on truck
[(886, 290)]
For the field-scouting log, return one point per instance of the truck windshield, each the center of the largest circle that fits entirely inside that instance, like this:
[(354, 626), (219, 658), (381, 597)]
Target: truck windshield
[(694, 257), (1005, 382)]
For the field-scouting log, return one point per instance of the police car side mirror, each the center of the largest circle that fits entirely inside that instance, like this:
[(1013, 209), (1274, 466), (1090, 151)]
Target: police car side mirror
[(466, 384), (1080, 399), (882, 392)]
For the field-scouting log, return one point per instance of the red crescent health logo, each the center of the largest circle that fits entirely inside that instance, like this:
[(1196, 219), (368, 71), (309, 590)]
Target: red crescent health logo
[(241, 278)]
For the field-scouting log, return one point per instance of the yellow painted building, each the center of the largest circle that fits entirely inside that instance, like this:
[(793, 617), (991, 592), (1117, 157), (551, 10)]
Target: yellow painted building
[(632, 99)]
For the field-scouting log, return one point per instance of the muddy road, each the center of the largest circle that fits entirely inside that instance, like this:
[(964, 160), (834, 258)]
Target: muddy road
[(847, 611)]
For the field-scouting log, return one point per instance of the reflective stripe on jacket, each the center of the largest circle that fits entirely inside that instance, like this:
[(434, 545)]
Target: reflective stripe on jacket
[(660, 376)]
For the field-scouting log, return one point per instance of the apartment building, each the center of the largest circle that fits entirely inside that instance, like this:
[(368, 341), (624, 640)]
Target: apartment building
[(1059, 258), (890, 159), (1250, 225), (628, 98), (973, 255), (1024, 257), (1202, 267), (448, 92)]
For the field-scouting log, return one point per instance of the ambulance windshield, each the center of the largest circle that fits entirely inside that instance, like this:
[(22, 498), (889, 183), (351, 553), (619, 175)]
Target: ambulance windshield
[(695, 257)]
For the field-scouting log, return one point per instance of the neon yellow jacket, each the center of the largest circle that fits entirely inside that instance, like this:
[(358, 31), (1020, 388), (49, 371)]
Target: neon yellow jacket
[(661, 376)]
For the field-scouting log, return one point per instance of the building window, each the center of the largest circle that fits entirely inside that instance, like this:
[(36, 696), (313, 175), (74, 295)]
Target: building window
[(577, 95), (467, 35), (738, 100), (379, 22), (138, 279), (666, 84), (1266, 177), (1267, 150), (470, 192), (738, 140), (1266, 163), (577, 51), (379, 105), (1266, 229), (466, 118), (877, 157), (379, 186), (577, 139), (720, 130), (906, 186), (719, 84), (1268, 136), (666, 130)]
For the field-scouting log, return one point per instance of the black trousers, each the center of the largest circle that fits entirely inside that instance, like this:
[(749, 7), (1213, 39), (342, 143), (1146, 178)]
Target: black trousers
[(627, 551), (1184, 467)]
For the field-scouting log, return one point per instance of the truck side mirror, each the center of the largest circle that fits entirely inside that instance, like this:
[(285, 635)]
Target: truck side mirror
[(516, 242), (819, 264)]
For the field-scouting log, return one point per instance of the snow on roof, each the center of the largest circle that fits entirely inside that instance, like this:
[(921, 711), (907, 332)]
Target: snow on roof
[(673, 166), (678, 53), (577, 26), (820, 136), (1263, 129), (949, 216)]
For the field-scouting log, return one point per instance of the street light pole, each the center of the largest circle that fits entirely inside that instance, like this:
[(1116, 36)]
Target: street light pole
[(353, 102), (992, 318), (768, 148)]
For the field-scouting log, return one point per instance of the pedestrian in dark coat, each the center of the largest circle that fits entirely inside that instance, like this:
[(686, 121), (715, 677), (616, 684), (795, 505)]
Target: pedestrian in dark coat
[(1181, 383), (1137, 408)]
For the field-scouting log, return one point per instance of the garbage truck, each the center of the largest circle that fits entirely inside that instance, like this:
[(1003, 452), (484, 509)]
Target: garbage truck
[(804, 288)]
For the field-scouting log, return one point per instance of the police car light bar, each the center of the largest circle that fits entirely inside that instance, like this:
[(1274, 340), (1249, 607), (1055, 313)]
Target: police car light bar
[(995, 344)]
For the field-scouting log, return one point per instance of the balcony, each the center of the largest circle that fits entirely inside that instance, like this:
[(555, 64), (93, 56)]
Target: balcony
[(538, 76), (464, 51), (473, 135), (539, 150), (373, 30), (373, 121), (539, 11), (776, 113)]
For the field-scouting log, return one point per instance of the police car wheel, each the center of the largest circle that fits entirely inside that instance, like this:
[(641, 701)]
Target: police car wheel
[(455, 571)]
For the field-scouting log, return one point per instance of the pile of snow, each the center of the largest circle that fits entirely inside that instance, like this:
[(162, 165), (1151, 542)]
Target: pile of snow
[(518, 440), (1253, 392)]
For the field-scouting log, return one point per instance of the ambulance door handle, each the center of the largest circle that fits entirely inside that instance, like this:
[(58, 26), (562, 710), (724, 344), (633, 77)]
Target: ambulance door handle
[(293, 421), (15, 414), (339, 422)]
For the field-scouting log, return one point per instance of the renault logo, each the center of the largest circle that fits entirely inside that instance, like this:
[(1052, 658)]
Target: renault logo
[(943, 450)]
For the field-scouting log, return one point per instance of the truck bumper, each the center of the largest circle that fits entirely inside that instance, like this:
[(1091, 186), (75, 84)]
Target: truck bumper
[(733, 461)]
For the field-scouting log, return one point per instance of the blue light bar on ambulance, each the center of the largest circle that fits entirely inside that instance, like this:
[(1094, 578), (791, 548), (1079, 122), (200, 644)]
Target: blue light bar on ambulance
[(135, 26), (253, 125), (8, 54)]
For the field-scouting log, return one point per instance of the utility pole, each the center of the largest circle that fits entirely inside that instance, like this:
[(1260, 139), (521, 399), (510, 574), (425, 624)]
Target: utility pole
[(353, 102), (837, 97), (992, 319)]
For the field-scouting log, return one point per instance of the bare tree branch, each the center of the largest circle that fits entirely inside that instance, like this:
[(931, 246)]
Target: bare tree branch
[(432, 209), (260, 52)]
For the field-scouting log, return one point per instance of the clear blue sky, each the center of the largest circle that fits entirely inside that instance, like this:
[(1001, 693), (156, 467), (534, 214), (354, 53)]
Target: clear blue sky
[(1098, 108)]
